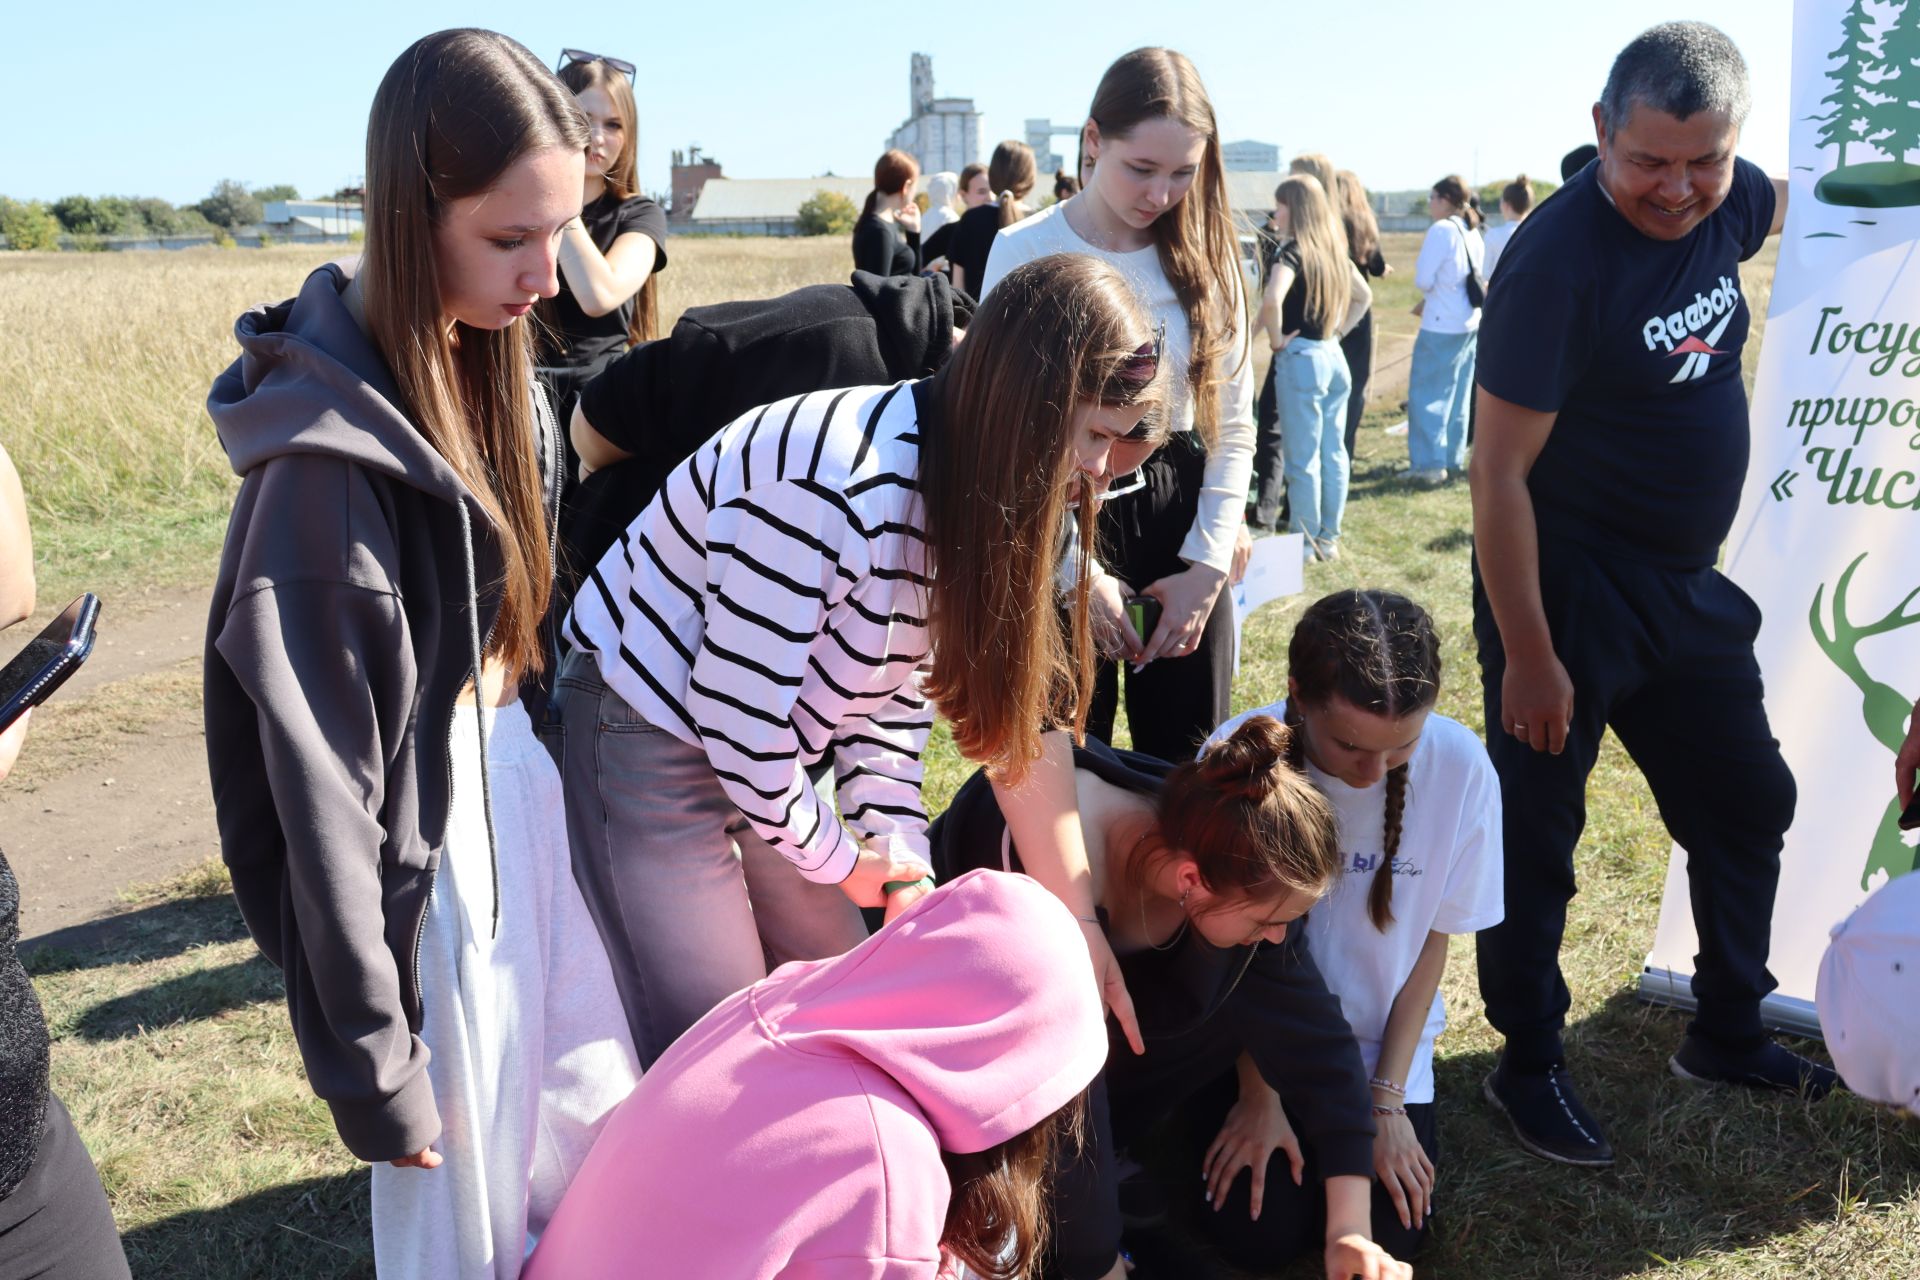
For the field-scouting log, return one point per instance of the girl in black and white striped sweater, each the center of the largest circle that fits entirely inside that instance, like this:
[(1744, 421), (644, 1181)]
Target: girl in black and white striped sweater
[(804, 592)]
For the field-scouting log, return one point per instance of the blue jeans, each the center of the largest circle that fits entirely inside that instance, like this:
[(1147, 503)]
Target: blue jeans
[(1439, 399), (1310, 386), (689, 901)]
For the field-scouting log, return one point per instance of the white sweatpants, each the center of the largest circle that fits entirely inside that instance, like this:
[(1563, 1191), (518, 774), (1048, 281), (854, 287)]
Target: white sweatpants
[(529, 1046)]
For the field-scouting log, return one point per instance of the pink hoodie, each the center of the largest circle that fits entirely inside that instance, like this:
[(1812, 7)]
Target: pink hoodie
[(796, 1130)]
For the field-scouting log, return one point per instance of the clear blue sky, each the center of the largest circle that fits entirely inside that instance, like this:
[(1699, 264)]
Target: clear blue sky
[(1401, 91)]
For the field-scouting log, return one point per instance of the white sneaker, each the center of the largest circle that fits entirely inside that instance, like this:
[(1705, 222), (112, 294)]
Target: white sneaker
[(1429, 477)]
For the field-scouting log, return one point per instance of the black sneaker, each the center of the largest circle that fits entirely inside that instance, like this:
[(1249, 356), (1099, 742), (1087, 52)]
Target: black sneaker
[(1771, 1066), (1547, 1115)]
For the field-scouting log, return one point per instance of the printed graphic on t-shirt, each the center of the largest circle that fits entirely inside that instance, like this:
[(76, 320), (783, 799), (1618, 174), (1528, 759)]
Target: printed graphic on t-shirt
[(1681, 332), (1368, 863)]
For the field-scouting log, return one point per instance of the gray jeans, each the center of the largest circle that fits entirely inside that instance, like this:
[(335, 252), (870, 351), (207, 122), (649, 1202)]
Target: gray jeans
[(692, 905)]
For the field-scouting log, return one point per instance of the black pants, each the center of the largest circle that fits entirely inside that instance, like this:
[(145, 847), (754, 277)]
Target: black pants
[(1357, 346), (56, 1224), (1269, 459), (1174, 703), (1293, 1219), (1665, 659)]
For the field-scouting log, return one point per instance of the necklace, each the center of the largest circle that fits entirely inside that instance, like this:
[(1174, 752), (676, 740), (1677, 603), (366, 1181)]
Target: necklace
[(1146, 930)]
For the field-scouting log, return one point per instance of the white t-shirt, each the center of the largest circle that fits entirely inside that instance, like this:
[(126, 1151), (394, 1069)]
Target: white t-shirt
[(1447, 878), (1229, 470), (1497, 238)]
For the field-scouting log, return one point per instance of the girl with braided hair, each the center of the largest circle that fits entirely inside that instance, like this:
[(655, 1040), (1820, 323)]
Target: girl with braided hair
[(1418, 813), (1199, 875)]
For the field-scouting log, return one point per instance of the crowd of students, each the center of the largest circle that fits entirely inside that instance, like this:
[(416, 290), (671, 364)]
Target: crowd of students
[(527, 954)]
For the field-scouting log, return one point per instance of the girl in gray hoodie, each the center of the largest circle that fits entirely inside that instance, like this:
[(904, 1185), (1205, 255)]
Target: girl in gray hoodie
[(393, 828)]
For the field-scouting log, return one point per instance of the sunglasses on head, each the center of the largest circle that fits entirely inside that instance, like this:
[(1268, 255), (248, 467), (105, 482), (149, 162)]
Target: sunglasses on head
[(1139, 368), (570, 56)]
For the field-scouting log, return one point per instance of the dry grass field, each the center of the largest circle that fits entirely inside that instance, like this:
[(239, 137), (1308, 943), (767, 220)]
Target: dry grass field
[(172, 1047)]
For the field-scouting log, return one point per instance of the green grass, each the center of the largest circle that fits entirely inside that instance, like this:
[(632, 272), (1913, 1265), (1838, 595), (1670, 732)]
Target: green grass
[(173, 1050)]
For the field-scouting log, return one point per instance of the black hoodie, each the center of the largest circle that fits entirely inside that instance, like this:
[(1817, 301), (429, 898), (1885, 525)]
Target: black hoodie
[(660, 401), (358, 577)]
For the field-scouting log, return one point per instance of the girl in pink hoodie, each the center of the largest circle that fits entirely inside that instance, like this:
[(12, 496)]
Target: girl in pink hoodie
[(854, 1118)]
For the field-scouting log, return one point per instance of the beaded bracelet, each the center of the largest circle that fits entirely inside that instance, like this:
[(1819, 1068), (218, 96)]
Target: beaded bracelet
[(1389, 1086), (1388, 1111)]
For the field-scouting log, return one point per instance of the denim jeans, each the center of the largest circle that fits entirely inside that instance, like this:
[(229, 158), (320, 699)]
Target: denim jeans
[(1439, 399), (690, 902), (1310, 386)]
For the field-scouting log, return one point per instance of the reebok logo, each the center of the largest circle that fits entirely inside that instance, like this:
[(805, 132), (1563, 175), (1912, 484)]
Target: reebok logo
[(1679, 333)]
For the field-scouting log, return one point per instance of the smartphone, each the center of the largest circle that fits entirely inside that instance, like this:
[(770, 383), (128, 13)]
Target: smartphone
[(1143, 612), (32, 675), (1910, 816)]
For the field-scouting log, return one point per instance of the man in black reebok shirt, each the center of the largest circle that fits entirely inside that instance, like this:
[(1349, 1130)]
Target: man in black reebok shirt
[(1611, 453)]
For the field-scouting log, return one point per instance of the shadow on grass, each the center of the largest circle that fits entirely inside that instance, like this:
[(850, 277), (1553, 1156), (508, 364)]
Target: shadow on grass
[(186, 998), (319, 1229), (155, 932), (1699, 1171)]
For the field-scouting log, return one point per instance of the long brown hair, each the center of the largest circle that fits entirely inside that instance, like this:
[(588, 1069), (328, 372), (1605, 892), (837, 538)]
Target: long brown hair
[(1378, 651), (1198, 247), (451, 115), (997, 1217), (1453, 189), (1249, 817), (1316, 165), (1356, 215), (1057, 333), (893, 173), (623, 182), (1324, 274), (1011, 175)]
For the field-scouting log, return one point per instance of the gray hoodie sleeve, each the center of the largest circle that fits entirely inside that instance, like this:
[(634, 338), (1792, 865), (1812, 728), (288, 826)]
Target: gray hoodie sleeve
[(328, 667)]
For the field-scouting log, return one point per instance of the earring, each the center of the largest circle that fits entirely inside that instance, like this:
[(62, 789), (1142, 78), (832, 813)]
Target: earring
[(1184, 893)]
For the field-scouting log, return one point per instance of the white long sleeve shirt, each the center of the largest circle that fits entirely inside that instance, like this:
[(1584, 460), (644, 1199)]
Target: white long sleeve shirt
[(1441, 274), (1229, 469), (769, 606)]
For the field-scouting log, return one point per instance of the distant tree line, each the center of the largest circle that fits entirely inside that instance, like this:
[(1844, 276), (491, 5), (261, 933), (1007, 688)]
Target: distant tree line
[(34, 224)]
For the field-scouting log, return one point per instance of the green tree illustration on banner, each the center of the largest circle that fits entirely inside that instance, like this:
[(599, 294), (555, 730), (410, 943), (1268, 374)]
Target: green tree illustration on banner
[(1846, 122), (1885, 708), (1894, 125), (1875, 102)]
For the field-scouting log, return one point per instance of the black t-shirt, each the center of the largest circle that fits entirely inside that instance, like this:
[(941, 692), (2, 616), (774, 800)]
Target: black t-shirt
[(583, 338), (881, 248), (973, 243), (1293, 307), (1635, 343)]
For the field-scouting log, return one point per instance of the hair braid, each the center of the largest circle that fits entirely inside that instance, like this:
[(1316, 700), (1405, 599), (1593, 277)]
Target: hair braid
[(1380, 892)]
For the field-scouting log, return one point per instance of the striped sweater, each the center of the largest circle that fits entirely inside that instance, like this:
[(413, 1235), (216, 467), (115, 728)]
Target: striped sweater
[(770, 607)]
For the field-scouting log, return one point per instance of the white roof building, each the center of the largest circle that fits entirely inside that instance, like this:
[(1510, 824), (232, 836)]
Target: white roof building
[(765, 206), (312, 219)]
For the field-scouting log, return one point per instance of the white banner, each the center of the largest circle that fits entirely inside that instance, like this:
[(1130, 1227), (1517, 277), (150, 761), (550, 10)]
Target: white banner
[(1826, 538)]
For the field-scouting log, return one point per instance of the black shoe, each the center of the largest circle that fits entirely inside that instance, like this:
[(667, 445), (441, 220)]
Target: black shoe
[(1771, 1066), (1547, 1115)]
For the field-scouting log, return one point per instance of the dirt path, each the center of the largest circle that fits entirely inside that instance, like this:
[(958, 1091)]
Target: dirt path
[(140, 813)]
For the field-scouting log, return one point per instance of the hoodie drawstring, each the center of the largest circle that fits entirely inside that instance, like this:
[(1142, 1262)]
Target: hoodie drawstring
[(479, 714)]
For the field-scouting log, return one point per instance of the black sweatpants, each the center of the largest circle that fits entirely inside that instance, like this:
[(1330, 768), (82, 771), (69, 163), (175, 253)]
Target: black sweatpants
[(1665, 659), (1293, 1219), (1174, 703), (1357, 347), (56, 1224)]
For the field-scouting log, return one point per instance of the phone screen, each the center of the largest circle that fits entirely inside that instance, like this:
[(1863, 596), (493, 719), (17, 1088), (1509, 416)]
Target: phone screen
[(31, 675)]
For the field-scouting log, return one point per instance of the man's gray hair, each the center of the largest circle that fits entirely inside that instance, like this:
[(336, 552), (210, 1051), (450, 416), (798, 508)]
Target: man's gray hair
[(1678, 68)]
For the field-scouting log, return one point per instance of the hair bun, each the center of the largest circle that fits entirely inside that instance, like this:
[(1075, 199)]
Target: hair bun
[(1244, 764)]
